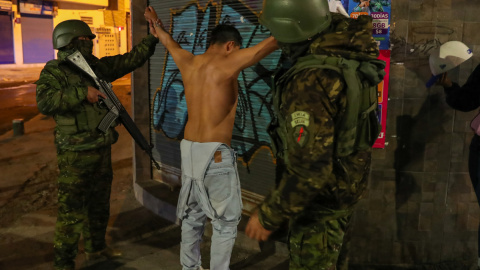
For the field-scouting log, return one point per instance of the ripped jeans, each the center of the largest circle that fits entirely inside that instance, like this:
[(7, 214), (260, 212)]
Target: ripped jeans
[(210, 188)]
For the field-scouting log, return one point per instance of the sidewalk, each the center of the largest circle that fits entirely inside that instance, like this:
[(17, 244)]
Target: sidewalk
[(28, 207), (11, 75)]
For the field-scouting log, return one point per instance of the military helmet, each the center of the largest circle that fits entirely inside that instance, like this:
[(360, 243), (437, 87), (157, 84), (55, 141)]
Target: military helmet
[(292, 21), (66, 31)]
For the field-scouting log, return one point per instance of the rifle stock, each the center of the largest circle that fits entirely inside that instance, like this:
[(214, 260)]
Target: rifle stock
[(115, 107)]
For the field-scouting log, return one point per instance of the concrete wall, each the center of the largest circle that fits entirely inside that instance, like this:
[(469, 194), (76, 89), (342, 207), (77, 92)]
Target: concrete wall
[(66, 13), (118, 19), (420, 209), (17, 36), (99, 3)]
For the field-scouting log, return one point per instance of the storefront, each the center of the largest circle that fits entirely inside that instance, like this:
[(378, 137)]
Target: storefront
[(37, 29), (6, 33)]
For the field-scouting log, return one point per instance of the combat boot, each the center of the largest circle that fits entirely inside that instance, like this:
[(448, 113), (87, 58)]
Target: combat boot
[(108, 253)]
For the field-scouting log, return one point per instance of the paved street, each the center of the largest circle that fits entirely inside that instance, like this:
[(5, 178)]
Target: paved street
[(16, 102)]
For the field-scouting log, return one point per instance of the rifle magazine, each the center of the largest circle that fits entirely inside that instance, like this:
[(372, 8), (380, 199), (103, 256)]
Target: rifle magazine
[(107, 121)]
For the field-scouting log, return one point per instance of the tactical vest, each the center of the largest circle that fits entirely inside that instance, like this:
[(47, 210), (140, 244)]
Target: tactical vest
[(359, 127), (77, 130)]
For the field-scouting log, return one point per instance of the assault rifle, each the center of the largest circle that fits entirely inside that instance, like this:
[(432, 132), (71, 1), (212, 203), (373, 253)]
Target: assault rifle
[(114, 106)]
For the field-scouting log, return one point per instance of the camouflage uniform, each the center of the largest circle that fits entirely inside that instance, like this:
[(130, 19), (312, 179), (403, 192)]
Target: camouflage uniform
[(83, 152), (318, 189)]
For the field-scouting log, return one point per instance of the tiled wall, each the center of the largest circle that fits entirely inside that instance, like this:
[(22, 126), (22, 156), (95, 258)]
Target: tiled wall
[(420, 211)]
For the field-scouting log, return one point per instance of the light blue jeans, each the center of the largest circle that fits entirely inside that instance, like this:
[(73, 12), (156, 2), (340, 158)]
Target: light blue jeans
[(209, 189)]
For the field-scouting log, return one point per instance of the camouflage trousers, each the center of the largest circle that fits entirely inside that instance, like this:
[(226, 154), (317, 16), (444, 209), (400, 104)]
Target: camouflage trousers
[(84, 188), (316, 238)]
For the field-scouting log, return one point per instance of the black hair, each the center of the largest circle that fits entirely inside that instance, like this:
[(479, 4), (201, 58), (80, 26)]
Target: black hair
[(224, 33)]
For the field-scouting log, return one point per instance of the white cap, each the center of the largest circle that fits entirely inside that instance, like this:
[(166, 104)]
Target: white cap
[(448, 56)]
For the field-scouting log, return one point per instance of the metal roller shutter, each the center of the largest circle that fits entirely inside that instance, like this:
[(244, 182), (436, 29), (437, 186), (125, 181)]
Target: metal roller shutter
[(37, 38), (6, 39)]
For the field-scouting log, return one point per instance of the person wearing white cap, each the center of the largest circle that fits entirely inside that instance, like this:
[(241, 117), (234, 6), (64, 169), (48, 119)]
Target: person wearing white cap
[(463, 98)]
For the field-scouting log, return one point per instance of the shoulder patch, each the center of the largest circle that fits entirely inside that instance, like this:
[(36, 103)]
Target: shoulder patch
[(300, 118), (301, 135)]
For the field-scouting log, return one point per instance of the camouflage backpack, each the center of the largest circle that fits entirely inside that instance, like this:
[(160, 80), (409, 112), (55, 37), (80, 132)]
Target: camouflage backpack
[(360, 126)]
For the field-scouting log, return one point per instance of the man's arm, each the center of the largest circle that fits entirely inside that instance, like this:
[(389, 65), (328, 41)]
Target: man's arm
[(310, 165), (54, 97), (110, 68), (180, 56), (252, 55)]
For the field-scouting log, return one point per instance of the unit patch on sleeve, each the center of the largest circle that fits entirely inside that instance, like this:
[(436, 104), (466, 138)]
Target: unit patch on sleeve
[(300, 118)]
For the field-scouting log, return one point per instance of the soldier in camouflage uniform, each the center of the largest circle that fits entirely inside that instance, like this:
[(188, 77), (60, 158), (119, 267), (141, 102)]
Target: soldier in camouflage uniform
[(83, 151), (318, 188)]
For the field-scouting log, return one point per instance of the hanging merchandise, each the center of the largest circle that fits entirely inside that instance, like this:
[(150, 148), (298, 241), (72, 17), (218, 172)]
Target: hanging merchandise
[(381, 11)]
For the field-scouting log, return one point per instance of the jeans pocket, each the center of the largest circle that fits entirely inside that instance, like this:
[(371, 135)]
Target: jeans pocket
[(218, 185)]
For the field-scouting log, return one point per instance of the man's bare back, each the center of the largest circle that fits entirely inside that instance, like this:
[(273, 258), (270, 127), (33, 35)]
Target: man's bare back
[(210, 81), (211, 91)]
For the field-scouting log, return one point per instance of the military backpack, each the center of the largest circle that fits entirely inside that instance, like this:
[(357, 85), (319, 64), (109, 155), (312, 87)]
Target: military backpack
[(360, 126)]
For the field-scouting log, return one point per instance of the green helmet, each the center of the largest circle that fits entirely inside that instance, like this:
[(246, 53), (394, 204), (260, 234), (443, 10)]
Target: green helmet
[(292, 21), (66, 31)]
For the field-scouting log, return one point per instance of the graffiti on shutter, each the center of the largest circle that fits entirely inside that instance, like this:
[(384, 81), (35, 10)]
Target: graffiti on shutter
[(190, 27)]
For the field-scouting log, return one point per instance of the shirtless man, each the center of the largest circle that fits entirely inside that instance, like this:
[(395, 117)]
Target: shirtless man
[(210, 184)]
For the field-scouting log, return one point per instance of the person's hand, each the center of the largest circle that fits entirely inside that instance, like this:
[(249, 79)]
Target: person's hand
[(151, 25), (365, 3), (150, 14), (152, 19), (444, 80), (93, 94), (255, 230)]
